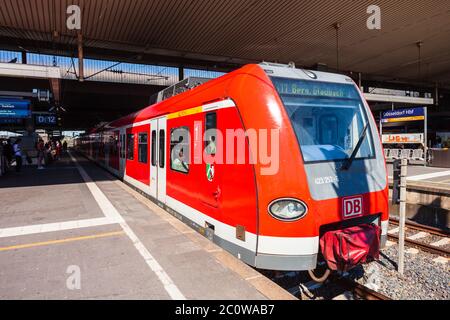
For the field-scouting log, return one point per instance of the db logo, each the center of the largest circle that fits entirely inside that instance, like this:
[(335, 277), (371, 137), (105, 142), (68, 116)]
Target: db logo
[(352, 207)]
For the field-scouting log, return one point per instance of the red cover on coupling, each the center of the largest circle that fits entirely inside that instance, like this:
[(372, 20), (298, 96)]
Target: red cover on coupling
[(346, 248)]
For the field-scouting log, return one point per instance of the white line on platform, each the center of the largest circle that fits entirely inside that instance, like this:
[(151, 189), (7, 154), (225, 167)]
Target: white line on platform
[(56, 226), (429, 175), (110, 211), (441, 242), (419, 235)]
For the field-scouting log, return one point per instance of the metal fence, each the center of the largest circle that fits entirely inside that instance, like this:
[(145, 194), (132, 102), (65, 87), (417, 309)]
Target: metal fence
[(108, 71), (10, 56)]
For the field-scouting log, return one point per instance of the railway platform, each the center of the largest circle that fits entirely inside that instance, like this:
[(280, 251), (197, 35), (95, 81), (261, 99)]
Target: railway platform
[(72, 231), (429, 175), (427, 197)]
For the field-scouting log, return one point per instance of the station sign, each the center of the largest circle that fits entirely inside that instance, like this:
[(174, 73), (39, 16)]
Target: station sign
[(45, 119), (400, 115), (402, 138), (14, 108)]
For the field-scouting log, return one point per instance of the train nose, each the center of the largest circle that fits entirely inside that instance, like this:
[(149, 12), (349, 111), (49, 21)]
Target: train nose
[(346, 248)]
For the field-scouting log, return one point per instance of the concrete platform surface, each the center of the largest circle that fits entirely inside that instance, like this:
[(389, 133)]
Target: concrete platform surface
[(72, 231), (438, 176)]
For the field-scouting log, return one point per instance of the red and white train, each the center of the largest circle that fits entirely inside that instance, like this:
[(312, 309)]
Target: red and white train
[(324, 197)]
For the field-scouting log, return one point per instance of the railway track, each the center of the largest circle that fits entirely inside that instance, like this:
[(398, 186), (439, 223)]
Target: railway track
[(421, 227), (361, 291), (335, 287), (435, 249), (338, 286)]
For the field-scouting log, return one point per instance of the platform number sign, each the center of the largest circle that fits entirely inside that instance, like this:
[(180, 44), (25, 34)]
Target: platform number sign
[(352, 207)]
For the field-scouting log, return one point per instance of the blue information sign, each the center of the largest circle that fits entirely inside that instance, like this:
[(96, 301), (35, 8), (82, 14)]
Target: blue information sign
[(14, 108), (11, 121), (408, 114)]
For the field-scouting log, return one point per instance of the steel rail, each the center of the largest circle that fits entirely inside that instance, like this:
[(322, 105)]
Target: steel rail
[(361, 290), (421, 227), (423, 246)]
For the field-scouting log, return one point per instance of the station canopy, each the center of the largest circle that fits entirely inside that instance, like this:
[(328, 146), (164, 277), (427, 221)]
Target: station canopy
[(224, 34)]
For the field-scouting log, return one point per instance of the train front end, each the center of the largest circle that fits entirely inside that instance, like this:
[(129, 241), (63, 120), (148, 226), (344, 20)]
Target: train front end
[(328, 202)]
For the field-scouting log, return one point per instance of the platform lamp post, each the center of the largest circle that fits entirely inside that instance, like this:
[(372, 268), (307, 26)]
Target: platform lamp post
[(337, 26)]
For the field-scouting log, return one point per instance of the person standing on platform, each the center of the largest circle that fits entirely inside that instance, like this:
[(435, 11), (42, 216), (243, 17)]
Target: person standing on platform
[(8, 153), (41, 153), (65, 146), (58, 149), (18, 154)]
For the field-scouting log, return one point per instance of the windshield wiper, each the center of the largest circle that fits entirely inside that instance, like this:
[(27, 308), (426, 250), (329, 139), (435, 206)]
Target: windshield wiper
[(348, 162)]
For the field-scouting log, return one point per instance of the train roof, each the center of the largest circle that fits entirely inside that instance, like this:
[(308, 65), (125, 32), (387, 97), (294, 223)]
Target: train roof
[(172, 104)]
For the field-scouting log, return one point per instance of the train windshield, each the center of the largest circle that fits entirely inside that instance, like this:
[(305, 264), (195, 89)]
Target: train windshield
[(328, 119)]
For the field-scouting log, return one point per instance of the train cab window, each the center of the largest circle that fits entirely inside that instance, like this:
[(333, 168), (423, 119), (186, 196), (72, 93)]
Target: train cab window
[(130, 146), (179, 149), (153, 148), (142, 147), (162, 144), (210, 132), (328, 119), (328, 130)]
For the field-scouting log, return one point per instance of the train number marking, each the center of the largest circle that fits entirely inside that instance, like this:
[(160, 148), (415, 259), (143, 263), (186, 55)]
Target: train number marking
[(352, 207), (326, 180)]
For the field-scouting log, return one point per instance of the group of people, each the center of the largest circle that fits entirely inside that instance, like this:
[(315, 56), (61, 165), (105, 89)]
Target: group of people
[(12, 151), (49, 152), (46, 153)]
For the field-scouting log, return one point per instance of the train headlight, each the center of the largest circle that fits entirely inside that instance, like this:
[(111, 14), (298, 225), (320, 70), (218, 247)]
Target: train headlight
[(287, 209)]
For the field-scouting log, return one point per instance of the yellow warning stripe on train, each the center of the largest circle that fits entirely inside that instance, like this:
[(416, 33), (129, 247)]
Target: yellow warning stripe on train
[(186, 112)]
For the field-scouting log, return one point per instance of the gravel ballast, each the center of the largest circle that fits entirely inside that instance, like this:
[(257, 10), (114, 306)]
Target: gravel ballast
[(423, 279)]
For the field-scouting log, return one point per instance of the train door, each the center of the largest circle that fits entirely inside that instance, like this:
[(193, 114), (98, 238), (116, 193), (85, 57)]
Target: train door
[(122, 151), (211, 189), (114, 146), (154, 158), (162, 159)]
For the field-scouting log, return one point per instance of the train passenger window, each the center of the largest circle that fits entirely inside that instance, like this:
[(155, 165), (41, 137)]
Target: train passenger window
[(123, 146), (179, 149), (154, 148), (142, 147), (120, 146), (210, 132), (162, 144), (130, 146)]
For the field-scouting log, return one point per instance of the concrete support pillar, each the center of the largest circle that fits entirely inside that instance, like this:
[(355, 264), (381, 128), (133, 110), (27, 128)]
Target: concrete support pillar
[(180, 73)]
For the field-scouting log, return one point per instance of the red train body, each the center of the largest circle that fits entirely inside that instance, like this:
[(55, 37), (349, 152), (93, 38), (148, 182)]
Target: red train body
[(269, 210)]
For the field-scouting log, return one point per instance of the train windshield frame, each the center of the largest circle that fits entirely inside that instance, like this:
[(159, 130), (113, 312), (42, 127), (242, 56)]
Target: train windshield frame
[(327, 117)]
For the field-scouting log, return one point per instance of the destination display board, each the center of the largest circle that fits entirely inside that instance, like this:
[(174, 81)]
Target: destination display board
[(308, 88), (400, 115), (14, 108)]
